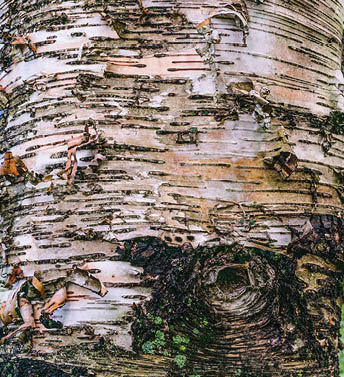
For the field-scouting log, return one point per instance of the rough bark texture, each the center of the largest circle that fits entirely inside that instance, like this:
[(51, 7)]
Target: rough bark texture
[(210, 204)]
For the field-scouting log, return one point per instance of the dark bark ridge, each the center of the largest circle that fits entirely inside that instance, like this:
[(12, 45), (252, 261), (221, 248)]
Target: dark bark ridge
[(30, 368), (227, 310)]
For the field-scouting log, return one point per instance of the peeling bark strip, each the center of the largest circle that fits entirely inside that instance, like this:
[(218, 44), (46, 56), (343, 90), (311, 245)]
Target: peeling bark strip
[(282, 158), (209, 132)]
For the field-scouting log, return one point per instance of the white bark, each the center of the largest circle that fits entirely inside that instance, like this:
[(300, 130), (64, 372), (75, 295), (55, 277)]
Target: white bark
[(143, 86)]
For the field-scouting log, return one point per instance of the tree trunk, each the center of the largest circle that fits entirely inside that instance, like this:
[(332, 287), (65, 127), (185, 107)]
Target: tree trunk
[(189, 155)]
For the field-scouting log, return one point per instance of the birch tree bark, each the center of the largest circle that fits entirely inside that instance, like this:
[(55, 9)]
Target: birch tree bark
[(189, 155)]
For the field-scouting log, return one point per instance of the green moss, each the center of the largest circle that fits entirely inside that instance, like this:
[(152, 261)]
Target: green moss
[(180, 360), (159, 340), (178, 339), (148, 348)]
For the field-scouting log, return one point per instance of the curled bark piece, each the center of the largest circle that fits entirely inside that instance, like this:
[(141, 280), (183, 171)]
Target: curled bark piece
[(16, 274), (57, 301), (39, 286), (9, 166), (282, 158), (73, 144), (262, 111), (76, 276), (204, 23), (260, 97), (234, 9), (15, 170), (23, 43), (26, 312), (18, 303), (236, 13)]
